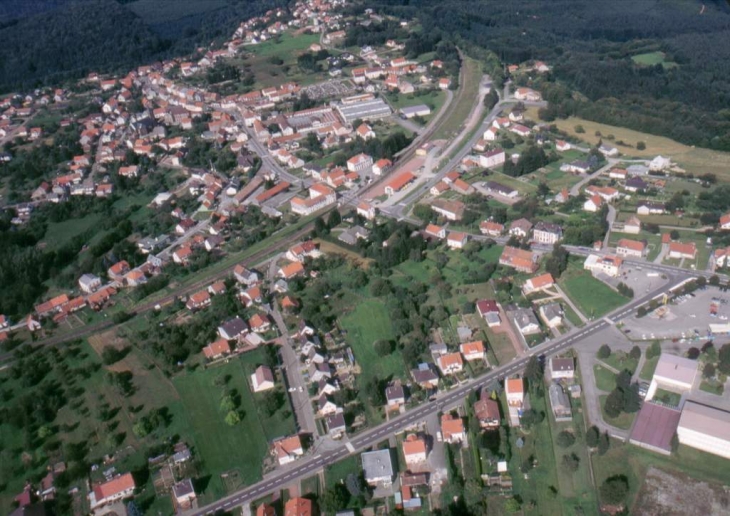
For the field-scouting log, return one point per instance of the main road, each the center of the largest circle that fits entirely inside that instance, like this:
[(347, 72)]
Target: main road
[(443, 401)]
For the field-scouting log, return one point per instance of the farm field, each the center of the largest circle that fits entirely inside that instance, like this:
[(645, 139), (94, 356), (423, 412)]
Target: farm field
[(593, 297), (695, 160), (653, 59)]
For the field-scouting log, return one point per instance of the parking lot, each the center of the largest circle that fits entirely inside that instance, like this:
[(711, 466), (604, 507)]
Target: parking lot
[(687, 317)]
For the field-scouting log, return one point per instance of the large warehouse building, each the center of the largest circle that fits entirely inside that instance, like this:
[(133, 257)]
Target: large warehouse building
[(705, 428), (673, 373), (367, 110)]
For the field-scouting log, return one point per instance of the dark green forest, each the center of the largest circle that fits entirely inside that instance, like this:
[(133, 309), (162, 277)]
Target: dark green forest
[(590, 43), (49, 41)]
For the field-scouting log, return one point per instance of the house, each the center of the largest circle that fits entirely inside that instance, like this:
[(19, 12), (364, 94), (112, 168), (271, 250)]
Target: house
[(632, 226), (320, 196), (291, 270), (450, 210), (262, 379), (398, 183), (520, 130), (515, 391), (526, 322), (680, 250), (490, 134), (182, 255), (593, 204), (606, 193), (486, 411), (492, 158), (500, 189), (325, 406), (117, 271), (198, 300), (473, 351), (547, 233), (462, 187), (450, 363), (319, 371), (414, 111), (435, 231), (88, 283), (377, 467), (489, 311), (259, 323), (365, 132), (439, 188), (631, 248), (673, 373), (538, 283), (725, 221), (551, 314), (359, 162), (414, 450), (336, 426), (635, 184), (425, 376), (232, 329), (561, 368), (4, 321), (562, 145), (528, 95), (519, 259), (298, 507), (560, 403), (265, 510), (650, 208), (490, 228), (520, 228), (456, 240), (183, 494), (217, 288), (382, 166), (113, 490), (608, 151), (660, 164), (287, 449), (452, 429), (366, 210), (244, 275), (609, 265), (395, 396), (576, 167), (217, 349)]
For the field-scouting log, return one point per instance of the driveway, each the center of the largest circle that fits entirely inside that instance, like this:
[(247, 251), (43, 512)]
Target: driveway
[(437, 457)]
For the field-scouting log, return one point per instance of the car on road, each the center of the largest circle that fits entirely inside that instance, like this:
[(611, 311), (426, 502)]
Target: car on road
[(439, 437), (643, 389)]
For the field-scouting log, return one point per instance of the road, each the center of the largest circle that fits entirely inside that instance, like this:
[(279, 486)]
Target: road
[(292, 368), (443, 401)]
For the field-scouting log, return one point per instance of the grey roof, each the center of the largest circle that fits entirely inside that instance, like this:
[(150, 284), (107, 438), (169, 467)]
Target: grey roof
[(705, 420), (494, 186), (233, 327), (551, 311), (562, 364), (525, 317), (549, 227), (678, 369), (414, 109), (377, 464), (558, 399), (336, 422), (374, 108), (394, 392), (183, 488)]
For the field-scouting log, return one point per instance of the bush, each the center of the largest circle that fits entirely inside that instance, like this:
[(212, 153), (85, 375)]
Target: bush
[(640, 146), (654, 350), (635, 353), (579, 129), (571, 462), (383, 347), (604, 352)]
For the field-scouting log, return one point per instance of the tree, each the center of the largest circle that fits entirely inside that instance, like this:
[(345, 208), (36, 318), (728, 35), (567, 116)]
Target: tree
[(640, 145), (383, 347), (641, 312), (714, 280), (592, 437), (273, 400), (565, 439), (334, 219), (604, 442), (635, 353), (604, 352), (614, 403), (723, 356), (654, 350), (571, 462), (533, 372), (614, 490), (335, 498), (709, 371), (232, 418), (693, 353), (557, 262), (674, 234), (227, 403)]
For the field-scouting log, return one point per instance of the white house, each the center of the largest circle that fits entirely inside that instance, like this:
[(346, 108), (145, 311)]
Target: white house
[(659, 164), (262, 379), (562, 368)]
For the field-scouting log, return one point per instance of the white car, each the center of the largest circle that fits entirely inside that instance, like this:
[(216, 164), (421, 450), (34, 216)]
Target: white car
[(439, 437)]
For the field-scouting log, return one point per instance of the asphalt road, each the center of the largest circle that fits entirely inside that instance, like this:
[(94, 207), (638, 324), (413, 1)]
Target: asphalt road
[(446, 400)]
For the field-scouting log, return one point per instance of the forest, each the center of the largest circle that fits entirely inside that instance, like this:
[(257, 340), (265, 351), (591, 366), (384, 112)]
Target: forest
[(590, 46)]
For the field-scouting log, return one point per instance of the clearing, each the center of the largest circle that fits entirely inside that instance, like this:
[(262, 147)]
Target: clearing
[(653, 59)]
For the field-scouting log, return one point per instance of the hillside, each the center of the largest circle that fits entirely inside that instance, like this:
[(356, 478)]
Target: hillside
[(50, 40)]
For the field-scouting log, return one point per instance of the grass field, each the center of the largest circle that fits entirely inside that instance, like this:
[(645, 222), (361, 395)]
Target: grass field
[(225, 448), (434, 99), (633, 462), (339, 470), (653, 59), (287, 47), (60, 233), (369, 322), (154, 11), (605, 379), (461, 105), (692, 159), (593, 297), (621, 360)]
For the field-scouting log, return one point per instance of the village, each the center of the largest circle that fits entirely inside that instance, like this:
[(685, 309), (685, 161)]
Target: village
[(373, 272)]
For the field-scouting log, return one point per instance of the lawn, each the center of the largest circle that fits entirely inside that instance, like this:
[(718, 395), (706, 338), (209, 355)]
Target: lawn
[(524, 187), (340, 470), (621, 360), (368, 322), (433, 98), (693, 159), (623, 421), (668, 398), (605, 379), (713, 387), (592, 297), (463, 104), (225, 448)]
